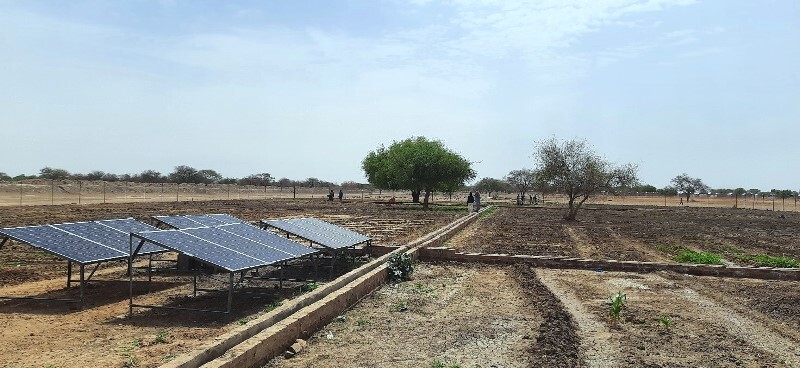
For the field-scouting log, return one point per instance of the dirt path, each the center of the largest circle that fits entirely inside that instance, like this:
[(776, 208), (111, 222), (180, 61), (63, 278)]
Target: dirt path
[(598, 345)]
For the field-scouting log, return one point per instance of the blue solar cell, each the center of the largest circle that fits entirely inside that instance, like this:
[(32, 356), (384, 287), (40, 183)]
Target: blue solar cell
[(205, 220), (310, 222), (315, 236), (178, 222), (228, 219), (64, 244), (128, 226), (268, 239), (243, 245), (201, 249)]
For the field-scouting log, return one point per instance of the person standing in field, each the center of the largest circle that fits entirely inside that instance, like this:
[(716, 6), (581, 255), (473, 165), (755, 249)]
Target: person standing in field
[(341, 195), (470, 202), (477, 201), (330, 195)]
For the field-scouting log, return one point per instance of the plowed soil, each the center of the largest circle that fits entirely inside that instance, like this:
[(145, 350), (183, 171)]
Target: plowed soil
[(669, 320)]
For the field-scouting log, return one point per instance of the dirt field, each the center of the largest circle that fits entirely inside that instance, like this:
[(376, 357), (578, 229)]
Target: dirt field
[(50, 334), (669, 320), (467, 315)]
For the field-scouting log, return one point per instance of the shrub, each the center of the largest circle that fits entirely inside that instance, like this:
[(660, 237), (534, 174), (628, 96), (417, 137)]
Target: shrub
[(782, 262), (690, 256), (400, 267)]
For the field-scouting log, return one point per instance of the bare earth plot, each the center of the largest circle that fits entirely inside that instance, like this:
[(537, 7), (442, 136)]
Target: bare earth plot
[(45, 334), (470, 315)]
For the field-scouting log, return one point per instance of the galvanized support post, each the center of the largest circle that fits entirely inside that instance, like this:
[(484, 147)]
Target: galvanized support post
[(194, 284), (69, 273), (230, 293), (82, 284)]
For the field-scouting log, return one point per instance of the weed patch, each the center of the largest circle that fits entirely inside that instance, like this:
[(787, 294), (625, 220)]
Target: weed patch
[(690, 256)]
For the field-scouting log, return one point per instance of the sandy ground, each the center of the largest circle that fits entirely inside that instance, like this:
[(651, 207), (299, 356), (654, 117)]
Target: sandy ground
[(52, 334)]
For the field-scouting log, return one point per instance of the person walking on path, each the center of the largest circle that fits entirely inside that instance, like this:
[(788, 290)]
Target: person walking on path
[(477, 201), (341, 195), (470, 202)]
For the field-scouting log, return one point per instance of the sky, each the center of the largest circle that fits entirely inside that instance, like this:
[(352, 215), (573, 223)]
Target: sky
[(303, 89)]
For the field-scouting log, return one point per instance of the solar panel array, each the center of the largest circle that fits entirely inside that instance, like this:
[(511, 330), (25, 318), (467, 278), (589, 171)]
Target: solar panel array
[(233, 247), (84, 242), (323, 233), (192, 221)]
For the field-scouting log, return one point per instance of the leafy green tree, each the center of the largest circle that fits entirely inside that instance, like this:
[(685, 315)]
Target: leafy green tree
[(489, 185), (208, 176), (184, 174), (54, 174), (4, 177), (151, 176), (645, 188), (575, 169), (261, 180), (688, 185), (667, 191), (523, 180), (95, 175), (417, 164)]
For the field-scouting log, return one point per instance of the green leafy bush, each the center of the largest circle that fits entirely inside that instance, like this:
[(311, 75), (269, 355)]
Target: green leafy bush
[(690, 256), (767, 261), (400, 267)]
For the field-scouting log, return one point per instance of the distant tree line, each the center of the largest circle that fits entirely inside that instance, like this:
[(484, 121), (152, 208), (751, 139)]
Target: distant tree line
[(184, 174)]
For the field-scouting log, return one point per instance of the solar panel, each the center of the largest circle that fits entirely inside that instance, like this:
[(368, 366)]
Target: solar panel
[(228, 219), (327, 226), (130, 225), (192, 221), (268, 239), (107, 236), (314, 235), (246, 246), (70, 246), (178, 222), (205, 220), (204, 250)]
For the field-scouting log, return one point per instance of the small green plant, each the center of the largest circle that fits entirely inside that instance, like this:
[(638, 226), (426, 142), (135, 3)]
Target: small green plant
[(690, 256), (168, 357), (488, 212), (161, 338), (131, 361), (781, 262), (311, 286), (243, 321), (272, 306), (617, 303), (361, 322), (666, 321), (340, 319), (400, 307), (421, 288), (400, 267)]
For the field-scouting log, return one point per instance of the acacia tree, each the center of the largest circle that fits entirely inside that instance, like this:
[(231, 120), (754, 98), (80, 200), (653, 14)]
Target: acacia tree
[(417, 164), (688, 185), (523, 180), (489, 185), (574, 168), (52, 173)]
